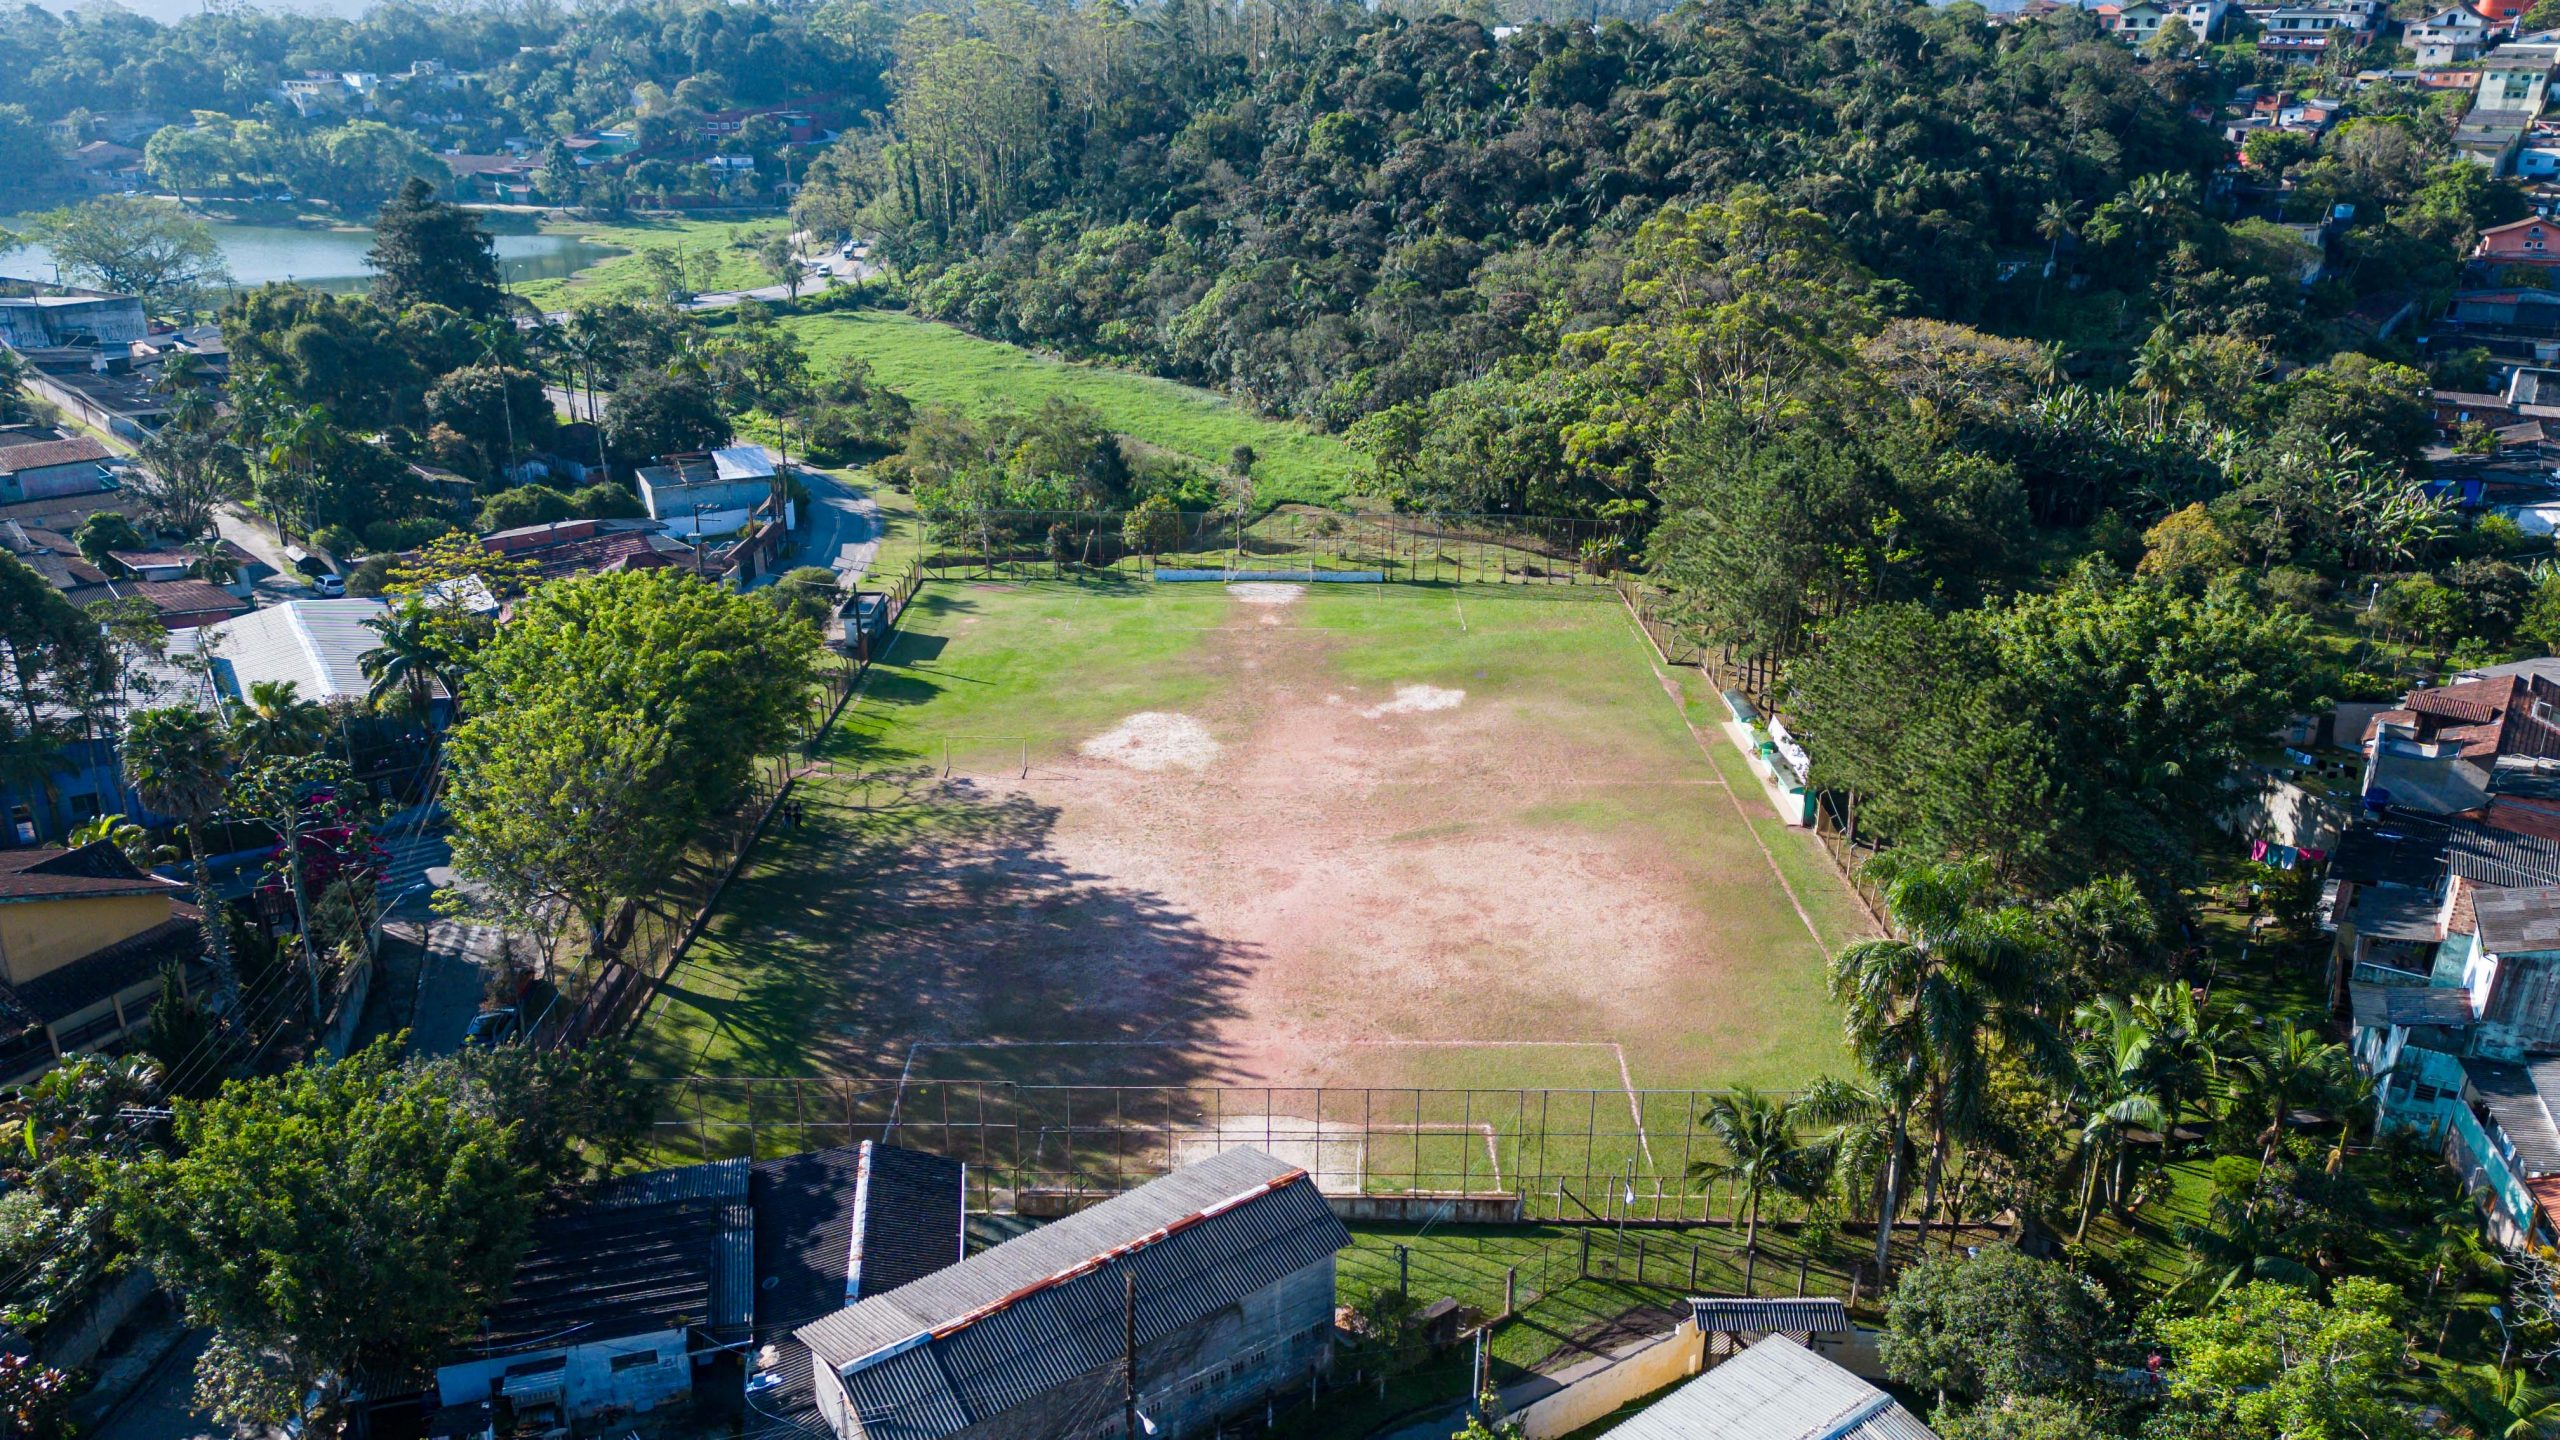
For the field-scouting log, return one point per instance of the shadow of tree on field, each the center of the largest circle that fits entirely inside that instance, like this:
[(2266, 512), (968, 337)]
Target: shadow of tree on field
[(939, 914)]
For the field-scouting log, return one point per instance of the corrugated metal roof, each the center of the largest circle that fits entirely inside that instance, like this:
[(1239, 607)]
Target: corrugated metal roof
[(2378, 1005), (1776, 1390), (319, 645), (2518, 921), (2386, 912), (910, 1219), (1008, 1324), (651, 1251), (2518, 1098), (1811, 1315)]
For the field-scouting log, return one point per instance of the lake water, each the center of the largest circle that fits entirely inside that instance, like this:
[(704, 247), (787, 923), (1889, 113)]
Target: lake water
[(334, 259)]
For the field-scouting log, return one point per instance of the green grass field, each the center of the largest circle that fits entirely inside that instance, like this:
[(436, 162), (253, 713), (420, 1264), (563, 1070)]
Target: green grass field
[(937, 365), (1418, 836), (731, 242)]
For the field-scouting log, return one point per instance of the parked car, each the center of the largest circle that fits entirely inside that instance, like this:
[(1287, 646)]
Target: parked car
[(330, 587), (491, 1029)]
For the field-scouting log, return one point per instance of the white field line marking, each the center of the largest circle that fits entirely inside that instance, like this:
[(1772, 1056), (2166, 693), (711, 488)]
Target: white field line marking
[(1492, 1148), (1635, 1111), (1671, 688)]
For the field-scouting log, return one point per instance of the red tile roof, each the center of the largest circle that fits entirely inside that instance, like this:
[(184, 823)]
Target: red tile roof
[(50, 452), (188, 598), (2510, 715)]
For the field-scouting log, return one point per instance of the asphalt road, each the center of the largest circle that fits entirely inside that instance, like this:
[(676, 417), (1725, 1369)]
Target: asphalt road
[(841, 530)]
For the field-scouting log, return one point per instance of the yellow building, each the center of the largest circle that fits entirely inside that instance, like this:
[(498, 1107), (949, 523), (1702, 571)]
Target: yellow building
[(84, 935)]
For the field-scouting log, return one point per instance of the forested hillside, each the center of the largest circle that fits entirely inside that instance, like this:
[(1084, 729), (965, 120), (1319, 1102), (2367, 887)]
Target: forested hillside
[(1847, 306)]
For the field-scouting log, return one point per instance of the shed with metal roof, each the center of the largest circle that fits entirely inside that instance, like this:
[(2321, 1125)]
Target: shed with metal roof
[(1776, 1390), (1223, 1270)]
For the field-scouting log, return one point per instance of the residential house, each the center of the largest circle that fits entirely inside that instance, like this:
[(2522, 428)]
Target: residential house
[(2305, 34), (2514, 81), (2137, 23), (799, 127), (711, 494), (1221, 1273), (612, 1300), (84, 937), (681, 1288), (106, 165), (55, 316), (490, 177), (319, 645), (2513, 322), (2448, 37), (184, 604), (1776, 1390), (592, 547), (41, 471), (2530, 241), (2435, 754)]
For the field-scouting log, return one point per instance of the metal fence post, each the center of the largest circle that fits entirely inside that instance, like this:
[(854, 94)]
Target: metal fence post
[(1693, 1264), (1586, 1255), (1510, 1291), (1404, 1270)]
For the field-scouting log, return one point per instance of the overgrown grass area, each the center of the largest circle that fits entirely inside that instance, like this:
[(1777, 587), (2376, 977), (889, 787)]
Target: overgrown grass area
[(731, 244), (938, 365)]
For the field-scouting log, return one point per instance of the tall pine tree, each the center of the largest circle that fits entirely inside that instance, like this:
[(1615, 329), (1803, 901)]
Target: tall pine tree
[(426, 251)]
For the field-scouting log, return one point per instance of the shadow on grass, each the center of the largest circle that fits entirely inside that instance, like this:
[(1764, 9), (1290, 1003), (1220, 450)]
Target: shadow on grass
[(922, 920)]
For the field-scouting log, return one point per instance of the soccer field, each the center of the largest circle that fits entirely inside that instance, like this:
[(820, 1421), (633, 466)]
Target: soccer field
[(1270, 835)]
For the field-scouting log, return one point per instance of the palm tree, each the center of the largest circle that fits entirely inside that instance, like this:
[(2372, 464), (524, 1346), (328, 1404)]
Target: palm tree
[(174, 758), (1858, 1128), (2057, 221), (1923, 1011), (126, 836), (214, 562), (1757, 1134), (2119, 1093), (2104, 925), (2509, 1406), (2293, 1069), (2189, 1042), (2239, 1247), (276, 721), (409, 662)]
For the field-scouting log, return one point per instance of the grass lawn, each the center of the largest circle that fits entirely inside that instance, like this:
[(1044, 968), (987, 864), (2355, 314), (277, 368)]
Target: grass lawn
[(731, 242), (938, 365), (1452, 839)]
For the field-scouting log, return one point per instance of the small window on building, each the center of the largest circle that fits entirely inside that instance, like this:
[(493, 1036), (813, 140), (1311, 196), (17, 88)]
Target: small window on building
[(636, 1360)]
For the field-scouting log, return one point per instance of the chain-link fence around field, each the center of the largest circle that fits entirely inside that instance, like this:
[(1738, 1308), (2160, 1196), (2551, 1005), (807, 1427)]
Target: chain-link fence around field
[(1496, 549), (1561, 1155)]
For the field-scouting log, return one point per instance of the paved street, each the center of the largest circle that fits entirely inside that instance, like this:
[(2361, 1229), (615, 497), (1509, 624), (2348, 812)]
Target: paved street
[(841, 530), (163, 1406)]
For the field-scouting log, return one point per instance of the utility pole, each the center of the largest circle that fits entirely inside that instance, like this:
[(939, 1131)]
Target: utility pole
[(1129, 1353)]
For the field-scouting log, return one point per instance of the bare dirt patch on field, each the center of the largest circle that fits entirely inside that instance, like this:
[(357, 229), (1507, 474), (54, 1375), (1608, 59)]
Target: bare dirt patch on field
[(1152, 741), (1378, 858)]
